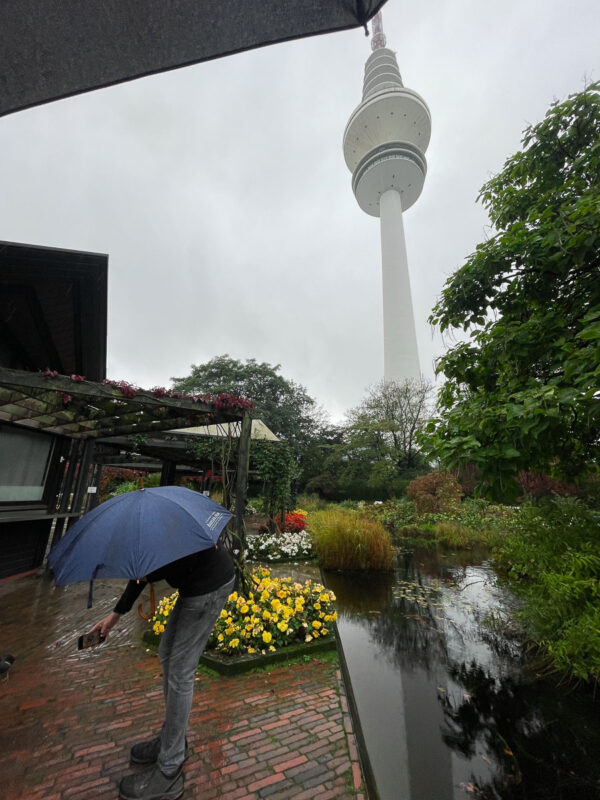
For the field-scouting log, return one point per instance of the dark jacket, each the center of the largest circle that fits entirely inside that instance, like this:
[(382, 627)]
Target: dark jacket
[(198, 573)]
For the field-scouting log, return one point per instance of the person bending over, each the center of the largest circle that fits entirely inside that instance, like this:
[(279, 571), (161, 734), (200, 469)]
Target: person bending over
[(204, 580)]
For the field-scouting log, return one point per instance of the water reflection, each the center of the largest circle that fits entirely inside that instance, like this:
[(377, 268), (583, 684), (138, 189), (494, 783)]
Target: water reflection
[(449, 707), (543, 739)]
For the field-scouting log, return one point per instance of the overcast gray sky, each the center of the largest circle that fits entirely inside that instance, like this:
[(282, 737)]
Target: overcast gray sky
[(221, 195)]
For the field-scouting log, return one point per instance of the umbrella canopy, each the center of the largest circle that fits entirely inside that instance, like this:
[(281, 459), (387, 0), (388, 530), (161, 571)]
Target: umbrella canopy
[(56, 48), (134, 534)]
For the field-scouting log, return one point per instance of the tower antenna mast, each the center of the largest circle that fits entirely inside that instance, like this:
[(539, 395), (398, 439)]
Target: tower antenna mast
[(378, 39)]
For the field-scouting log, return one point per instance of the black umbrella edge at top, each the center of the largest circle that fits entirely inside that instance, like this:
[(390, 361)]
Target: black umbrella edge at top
[(52, 49)]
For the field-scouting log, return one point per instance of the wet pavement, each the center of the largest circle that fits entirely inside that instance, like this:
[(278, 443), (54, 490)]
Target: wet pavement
[(69, 717)]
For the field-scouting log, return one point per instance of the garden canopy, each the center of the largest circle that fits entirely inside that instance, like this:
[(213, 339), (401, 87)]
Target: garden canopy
[(57, 48)]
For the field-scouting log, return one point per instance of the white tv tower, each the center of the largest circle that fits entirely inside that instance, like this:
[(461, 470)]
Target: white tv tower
[(384, 145)]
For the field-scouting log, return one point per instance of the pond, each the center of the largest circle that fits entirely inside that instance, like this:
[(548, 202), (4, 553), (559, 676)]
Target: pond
[(450, 705)]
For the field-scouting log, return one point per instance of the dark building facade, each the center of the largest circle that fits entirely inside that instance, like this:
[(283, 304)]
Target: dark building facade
[(52, 316)]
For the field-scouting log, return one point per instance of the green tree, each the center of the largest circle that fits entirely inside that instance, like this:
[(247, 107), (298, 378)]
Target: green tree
[(283, 405), (389, 419), (522, 391), (378, 448), (313, 475)]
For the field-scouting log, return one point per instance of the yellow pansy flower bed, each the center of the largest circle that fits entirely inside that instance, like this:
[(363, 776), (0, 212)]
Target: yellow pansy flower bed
[(276, 613)]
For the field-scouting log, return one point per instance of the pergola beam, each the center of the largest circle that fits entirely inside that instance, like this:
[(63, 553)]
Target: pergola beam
[(80, 409)]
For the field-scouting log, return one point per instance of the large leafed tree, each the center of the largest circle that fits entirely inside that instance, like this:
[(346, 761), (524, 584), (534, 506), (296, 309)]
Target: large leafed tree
[(523, 391)]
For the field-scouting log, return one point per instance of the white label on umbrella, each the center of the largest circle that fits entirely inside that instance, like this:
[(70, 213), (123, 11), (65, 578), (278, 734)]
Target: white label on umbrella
[(214, 519)]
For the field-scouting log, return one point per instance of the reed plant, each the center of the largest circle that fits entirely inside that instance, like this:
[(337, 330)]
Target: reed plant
[(347, 539)]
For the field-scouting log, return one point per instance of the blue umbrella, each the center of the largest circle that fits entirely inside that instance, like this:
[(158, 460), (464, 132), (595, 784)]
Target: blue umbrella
[(134, 534)]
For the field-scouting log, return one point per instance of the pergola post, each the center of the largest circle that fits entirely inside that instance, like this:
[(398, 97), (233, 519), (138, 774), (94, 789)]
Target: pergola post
[(94, 498), (69, 477), (83, 476), (242, 479), (167, 473)]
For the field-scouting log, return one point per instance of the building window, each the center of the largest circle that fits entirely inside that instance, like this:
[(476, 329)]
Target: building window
[(24, 460)]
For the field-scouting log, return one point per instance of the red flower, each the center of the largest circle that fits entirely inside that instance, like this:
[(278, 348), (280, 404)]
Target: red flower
[(294, 523), (127, 389)]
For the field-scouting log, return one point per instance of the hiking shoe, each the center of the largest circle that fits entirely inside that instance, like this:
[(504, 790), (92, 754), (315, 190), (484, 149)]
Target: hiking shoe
[(147, 752), (152, 785)]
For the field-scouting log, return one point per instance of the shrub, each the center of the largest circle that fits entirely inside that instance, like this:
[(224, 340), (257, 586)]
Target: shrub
[(112, 477), (354, 505), (589, 490), (478, 520), (552, 560), (347, 539), (118, 483), (410, 536), (435, 492), (124, 488), (276, 613), (452, 534), (393, 514), (536, 485)]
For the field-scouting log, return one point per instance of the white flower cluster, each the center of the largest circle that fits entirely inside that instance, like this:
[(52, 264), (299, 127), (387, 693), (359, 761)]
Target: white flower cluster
[(275, 547)]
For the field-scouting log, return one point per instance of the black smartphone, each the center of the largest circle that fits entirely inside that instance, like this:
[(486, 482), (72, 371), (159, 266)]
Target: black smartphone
[(90, 639)]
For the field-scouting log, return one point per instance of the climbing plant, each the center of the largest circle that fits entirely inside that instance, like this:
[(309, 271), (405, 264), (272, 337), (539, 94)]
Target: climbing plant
[(275, 467)]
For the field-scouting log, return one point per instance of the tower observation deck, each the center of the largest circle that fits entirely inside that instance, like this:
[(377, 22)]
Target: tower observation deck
[(384, 147)]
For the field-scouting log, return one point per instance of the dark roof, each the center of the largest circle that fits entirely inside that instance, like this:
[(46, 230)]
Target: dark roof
[(80, 409), (53, 309), (56, 48)]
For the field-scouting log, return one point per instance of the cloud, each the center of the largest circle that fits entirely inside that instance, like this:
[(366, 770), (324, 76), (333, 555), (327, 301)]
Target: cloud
[(221, 195)]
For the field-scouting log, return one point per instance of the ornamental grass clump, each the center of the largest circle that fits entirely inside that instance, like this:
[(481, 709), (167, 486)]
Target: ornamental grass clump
[(345, 539), (275, 614)]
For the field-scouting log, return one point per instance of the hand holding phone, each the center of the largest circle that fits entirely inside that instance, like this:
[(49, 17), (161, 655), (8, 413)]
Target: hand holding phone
[(90, 639)]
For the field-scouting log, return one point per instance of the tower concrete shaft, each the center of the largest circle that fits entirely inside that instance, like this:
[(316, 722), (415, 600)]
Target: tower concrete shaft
[(400, 351), (384, 147)]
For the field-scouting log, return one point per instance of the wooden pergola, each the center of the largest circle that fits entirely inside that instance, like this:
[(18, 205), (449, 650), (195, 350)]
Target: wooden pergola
[(84, 413), (80, 409)]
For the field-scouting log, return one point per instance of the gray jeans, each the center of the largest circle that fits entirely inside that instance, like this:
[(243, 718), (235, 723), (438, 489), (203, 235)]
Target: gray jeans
[(181, 646)]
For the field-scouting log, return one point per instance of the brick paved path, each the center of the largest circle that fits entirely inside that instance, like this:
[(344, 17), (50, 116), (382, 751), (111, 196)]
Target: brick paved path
[(68, 718)]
